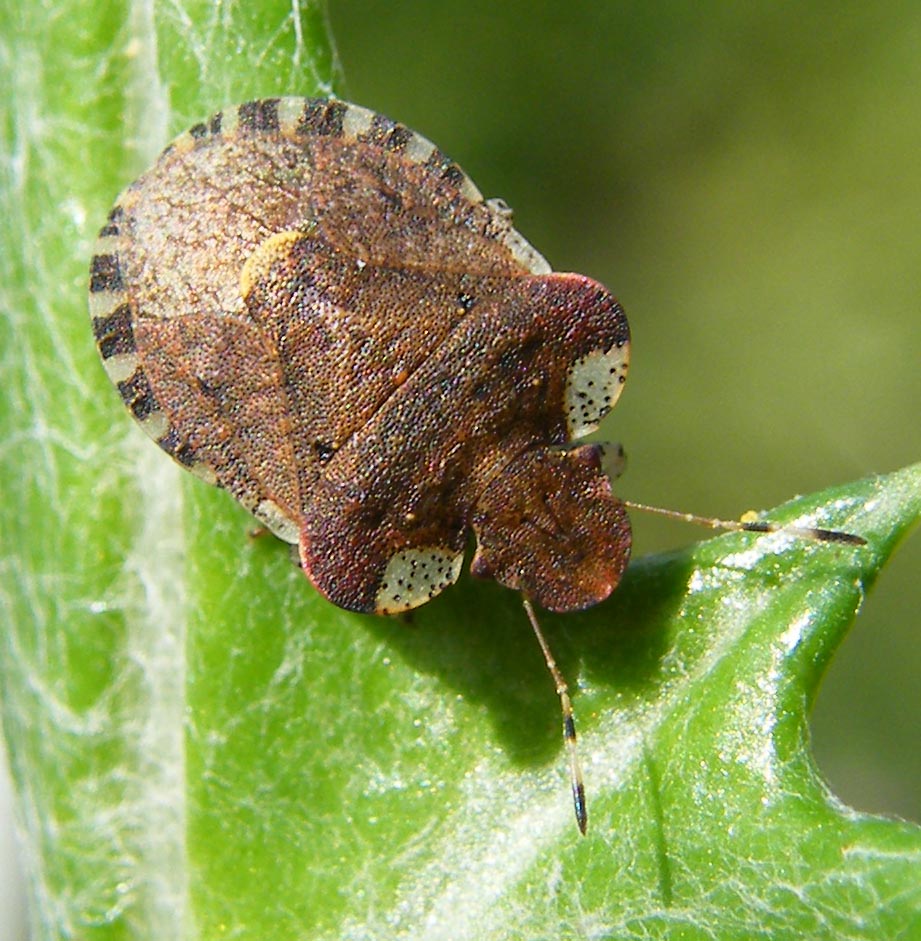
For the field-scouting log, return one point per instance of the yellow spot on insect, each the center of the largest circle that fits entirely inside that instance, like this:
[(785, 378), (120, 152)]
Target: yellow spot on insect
[(271, 250)]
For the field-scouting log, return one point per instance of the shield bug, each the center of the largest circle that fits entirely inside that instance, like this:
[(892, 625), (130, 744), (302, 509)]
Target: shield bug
[(312, 307)]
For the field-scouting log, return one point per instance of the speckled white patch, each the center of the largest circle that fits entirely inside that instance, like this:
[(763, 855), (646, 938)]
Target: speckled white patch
[(593, 386), (414, 576)]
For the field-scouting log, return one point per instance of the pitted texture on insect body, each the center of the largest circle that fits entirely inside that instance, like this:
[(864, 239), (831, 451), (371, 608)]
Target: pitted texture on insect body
[(550, 527), (311, 306)]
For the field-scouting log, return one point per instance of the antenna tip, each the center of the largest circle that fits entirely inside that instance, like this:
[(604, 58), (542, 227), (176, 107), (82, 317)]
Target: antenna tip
[(833, 535), (578, 799)]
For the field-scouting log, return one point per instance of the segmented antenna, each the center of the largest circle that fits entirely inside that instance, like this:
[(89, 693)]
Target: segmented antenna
[(751, 526), (562, 689), (569, 722)]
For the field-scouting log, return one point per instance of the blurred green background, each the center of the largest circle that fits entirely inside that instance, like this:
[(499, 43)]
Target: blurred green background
[(747, 179)]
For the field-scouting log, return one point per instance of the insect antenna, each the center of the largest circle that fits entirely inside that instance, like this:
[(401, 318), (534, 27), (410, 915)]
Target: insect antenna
[(751, 526), (569, 722)]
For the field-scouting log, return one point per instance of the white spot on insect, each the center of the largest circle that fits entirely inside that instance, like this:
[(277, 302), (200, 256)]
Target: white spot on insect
[(120, 367), (184, 144), (500, 207), (525, 253), (520, 249), (128, 200), (593, 386), (204, 472), (112, 244), (356, 121), (418, 149), (469, 190), (414, 576), (290, 111), (103, 303), (274, 518), (156, 425), (230, 121)]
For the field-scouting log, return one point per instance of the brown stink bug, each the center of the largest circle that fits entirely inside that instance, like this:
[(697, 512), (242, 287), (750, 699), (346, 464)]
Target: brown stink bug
[(312, 307)]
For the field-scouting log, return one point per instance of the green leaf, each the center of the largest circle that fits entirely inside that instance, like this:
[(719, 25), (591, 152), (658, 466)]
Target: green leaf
[(91, 652), (372, 776), (204, 748)]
